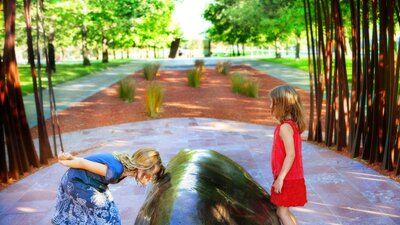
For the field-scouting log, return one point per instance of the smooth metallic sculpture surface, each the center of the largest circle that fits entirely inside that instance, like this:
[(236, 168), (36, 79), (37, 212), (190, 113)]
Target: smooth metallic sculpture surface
[(205, 187)]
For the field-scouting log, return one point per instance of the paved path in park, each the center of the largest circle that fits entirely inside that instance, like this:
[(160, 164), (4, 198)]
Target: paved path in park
[(340, 190), (69, 93)]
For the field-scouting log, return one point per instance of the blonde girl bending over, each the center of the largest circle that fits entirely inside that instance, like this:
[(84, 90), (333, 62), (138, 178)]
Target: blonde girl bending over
[(83, 196)]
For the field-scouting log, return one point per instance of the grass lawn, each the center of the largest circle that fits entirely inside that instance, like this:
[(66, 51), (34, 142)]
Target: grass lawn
[(302, 64), (64, 72)]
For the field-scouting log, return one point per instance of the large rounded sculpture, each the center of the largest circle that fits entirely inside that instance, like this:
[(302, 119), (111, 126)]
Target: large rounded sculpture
[(204, 187)]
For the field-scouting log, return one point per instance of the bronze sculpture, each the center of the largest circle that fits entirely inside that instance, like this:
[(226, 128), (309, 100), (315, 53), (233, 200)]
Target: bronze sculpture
[(206, 187)]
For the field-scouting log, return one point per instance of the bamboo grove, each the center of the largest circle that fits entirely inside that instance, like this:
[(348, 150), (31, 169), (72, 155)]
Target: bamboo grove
[(364, 120), (17, 151)]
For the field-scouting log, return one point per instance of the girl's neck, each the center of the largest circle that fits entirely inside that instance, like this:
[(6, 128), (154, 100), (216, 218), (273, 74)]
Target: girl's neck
[(288, 118)]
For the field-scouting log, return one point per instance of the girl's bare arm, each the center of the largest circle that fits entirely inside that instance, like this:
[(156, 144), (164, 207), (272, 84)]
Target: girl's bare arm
[(68, 160), (286, 134)]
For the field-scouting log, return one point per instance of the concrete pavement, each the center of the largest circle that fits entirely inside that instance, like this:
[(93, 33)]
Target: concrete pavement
[(340, 190)]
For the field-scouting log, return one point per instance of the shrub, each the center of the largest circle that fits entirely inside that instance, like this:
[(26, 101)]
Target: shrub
[(154, 99), (199, 64), (127, 89), (242, 84), (150, 70), (224, 67), (194, 77), (219, 67), (252, 88), (237, 82)]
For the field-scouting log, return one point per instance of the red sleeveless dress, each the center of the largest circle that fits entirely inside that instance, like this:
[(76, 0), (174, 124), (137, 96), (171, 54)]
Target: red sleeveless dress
[(294, 189)]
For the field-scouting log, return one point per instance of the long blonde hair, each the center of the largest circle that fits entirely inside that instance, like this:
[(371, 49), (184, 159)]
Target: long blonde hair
[(286, 102), (143, 158)]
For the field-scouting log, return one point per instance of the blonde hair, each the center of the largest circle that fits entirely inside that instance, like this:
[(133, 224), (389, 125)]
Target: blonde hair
[(286, 104), (143, 158)]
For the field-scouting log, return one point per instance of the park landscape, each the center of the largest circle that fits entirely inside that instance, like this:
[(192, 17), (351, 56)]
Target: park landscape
[(338, 98)]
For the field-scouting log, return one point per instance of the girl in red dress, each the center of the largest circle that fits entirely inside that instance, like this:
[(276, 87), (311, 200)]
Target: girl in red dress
[(289, 188)]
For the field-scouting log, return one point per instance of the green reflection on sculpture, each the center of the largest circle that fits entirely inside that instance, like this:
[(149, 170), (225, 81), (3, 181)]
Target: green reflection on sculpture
[(205, 187)]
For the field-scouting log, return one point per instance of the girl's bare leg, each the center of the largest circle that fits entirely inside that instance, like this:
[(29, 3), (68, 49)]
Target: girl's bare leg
[(293, 218), (286, 217)]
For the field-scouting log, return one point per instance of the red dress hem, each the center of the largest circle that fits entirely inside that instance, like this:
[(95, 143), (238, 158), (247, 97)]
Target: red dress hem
[(293, 194)]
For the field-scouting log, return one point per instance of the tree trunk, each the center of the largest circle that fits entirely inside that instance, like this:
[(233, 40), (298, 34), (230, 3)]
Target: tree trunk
[(52, 58), (391, 86), (105, 50), (3, 160), (21, 151), (52, 54), (174, 48), (277, 49), (298, 46), (85, 51), (44, 145), (310, 44)]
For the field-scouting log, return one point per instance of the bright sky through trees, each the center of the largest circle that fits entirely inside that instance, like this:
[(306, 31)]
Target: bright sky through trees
[(188, 14)]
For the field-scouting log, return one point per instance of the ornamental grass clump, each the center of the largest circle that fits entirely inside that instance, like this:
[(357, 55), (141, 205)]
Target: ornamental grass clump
[(219, 67), (199, 65), (154, 99), (223, 67), (151, 70), (242, 84), (127, 89), (252, 88), (194, 76)]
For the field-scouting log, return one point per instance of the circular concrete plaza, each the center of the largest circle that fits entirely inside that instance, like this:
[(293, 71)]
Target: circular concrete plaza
[(340, 190)]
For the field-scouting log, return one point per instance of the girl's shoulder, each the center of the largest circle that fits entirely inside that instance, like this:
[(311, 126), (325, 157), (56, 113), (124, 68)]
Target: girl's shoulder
[(290, 124), (101, 157), (285, 129)]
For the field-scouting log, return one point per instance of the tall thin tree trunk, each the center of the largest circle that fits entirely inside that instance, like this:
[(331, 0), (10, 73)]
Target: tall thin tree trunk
[(369, 146), (51, 50), (298, 39), (105, 50), (391, 92), (3, 160), (310, 43), (317, 76), (44, 145)]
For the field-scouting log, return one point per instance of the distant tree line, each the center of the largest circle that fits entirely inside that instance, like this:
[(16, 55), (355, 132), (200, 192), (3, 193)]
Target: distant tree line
[(254, 22)]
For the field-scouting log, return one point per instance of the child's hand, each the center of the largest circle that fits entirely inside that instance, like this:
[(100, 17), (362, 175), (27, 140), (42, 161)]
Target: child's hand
[(278, 184), (65, 156), (74, 162), (69, 160)]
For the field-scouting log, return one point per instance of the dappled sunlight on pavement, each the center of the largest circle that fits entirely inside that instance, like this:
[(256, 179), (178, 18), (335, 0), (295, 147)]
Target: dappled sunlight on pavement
[(340, 190)]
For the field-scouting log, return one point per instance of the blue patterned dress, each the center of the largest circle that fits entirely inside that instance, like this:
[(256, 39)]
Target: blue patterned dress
[(84, 198)]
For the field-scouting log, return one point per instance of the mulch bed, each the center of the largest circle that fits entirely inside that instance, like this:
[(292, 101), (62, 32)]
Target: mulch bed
[(214, 99)]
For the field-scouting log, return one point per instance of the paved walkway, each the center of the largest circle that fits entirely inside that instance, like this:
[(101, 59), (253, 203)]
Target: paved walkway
[(69, 93), (77, 90), (340, 190)]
